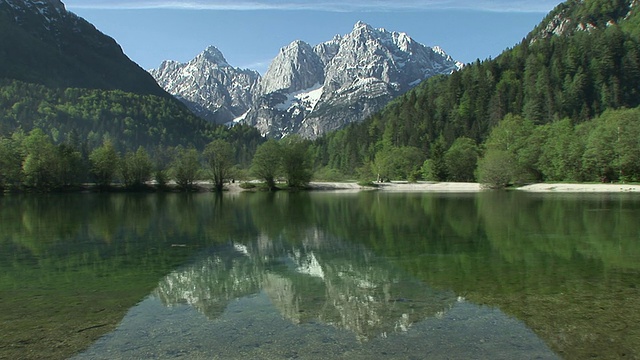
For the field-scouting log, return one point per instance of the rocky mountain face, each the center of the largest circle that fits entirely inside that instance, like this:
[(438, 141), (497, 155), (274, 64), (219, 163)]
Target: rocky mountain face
[(45, 44), (574, 16), (211, 88), (312, 90)]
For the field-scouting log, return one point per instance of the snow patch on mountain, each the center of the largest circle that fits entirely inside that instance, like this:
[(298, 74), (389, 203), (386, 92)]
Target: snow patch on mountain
[(309, 90), (308, 98)]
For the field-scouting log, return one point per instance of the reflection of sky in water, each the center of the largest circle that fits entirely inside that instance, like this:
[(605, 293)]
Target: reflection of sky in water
[(251, 327)]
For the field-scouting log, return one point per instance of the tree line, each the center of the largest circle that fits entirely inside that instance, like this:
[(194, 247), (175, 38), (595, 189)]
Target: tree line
[(516, 151), (519, 151), (32, 161)]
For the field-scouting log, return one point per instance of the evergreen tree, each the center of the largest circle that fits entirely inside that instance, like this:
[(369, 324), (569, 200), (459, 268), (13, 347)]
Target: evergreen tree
[(437, 162)]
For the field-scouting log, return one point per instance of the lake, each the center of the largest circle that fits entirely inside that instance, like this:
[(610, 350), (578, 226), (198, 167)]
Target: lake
[(320, 275)]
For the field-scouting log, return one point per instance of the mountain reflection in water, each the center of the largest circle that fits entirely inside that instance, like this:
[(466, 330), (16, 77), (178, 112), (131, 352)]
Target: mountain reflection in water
[(321, 280), (321, 297)]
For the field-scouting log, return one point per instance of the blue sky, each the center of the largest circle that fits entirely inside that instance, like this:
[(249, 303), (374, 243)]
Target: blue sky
[(250, 32)]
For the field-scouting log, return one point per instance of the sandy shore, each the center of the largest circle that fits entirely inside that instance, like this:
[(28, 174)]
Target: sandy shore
[(392, 186), (603, 188), (401, 186), (425, 186)]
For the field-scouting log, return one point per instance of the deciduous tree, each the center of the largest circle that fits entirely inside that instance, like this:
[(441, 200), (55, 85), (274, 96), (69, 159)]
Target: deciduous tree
[(136, 168), (295, 163), (104, 163), (218, 156), (186, 167), (461, 160), (266, 162)]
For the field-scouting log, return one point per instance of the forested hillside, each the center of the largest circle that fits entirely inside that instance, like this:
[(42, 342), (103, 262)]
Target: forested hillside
[(582, 60), (130, 120), (68, 91), (45, 44), (53, 132)]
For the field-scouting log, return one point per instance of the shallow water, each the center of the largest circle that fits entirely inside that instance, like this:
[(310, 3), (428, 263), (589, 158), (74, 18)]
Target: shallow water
[(320, 275)]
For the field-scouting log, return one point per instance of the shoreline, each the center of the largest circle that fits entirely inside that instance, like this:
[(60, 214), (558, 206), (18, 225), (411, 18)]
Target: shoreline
[(581, 188), (453, 187), (394, 186)]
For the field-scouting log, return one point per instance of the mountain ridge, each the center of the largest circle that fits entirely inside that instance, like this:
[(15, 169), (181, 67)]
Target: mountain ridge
[(310, 90)]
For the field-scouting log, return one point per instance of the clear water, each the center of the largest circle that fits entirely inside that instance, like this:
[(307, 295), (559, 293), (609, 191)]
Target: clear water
[(320, 276)]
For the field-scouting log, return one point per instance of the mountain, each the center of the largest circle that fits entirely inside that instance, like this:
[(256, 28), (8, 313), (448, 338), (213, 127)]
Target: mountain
[(45, 44), (312, 90), (209, 86), (577, 16), (60, 74), (582, 60)]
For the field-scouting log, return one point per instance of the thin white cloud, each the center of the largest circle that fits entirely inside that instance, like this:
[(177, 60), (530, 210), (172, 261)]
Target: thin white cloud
[(322, 5)]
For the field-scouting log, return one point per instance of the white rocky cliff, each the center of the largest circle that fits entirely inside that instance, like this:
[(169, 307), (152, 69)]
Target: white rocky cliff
[(209, 86), (311, 90)]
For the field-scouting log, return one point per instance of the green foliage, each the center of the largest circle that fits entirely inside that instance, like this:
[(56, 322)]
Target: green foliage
[(397, 163), (426, 170), (11, 156), (247, 186), (495, 169), (328, 174), (437, 166), (295, 163), (39, 166), (367, 184), (161, 178), (522, 140), (104, 163), (136, 168), (218, 156), (461, 160), (612, 150), (185, 167), (603, 149), (70, 166), (66, 52), (561, 157), (130, 120), (266, 162)]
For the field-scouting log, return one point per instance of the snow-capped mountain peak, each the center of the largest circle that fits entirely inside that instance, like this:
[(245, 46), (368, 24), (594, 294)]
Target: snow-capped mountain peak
[(296, 67), (312, 90), (213, 55), (209, 86)]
